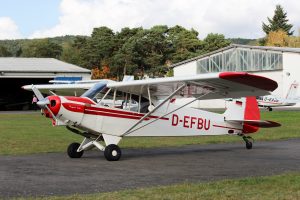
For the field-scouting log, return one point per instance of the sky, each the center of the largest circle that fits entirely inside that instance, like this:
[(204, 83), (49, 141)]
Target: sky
[(50, 18)]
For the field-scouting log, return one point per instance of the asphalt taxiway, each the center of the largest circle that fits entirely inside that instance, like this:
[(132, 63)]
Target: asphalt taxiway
[(56, 174)]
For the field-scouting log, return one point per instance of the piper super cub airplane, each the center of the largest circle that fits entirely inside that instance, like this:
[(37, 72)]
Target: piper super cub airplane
[(156, 114)]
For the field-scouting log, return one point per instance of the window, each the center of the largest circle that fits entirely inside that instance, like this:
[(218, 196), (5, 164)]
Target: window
[(240, 59)]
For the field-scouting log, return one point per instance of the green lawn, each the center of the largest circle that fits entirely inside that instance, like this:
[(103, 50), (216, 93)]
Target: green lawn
[(33, 133), (286, 186)]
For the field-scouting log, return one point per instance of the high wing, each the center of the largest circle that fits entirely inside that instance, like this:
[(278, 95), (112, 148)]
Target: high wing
[(214, 86), (62, 89), (67, 88)]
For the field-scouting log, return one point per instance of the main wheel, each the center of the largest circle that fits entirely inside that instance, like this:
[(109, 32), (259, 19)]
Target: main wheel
[(270, 109), (249, 145), (72, 151), (112, 152)]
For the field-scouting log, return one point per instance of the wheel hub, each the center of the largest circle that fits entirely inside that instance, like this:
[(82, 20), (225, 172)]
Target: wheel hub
[(114, 153)]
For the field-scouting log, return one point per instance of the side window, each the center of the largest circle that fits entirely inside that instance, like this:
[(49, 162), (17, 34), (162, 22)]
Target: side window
[(121, 100), (106, 98), (129, 103)]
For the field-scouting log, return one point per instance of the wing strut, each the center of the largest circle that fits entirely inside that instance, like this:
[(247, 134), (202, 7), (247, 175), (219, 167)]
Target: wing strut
[(128, 132), (154, 109)]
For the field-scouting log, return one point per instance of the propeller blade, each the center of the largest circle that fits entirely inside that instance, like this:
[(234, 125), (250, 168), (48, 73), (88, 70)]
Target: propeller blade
[(43, 103), (37, 93), (53, 116)]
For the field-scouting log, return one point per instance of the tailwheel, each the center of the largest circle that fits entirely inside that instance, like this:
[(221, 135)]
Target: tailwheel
[(248, 142), (112, 152), (249, 145), (72, 151)]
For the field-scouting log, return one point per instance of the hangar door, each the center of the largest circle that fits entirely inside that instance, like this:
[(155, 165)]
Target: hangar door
[(13, 97)]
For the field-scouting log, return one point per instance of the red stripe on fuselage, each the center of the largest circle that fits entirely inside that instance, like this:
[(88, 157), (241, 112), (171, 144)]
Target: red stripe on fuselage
[(122, 112), (111, 115), (106, 112)]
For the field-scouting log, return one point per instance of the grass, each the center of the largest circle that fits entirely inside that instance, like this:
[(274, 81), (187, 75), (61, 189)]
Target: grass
[(32, 133), (286, 186)]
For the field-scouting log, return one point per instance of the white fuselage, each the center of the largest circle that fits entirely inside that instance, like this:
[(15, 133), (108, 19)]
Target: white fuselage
[(273, 101), (114, 121)]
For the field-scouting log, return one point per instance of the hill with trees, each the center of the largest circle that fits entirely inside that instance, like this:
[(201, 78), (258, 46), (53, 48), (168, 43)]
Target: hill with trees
[(131, 51)]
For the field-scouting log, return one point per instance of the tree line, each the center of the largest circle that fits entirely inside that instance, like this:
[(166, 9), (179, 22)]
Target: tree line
[(135, 51)]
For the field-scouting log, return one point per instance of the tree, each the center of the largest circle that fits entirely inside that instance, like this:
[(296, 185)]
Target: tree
[(279, 21), (99, 48), (103, 73), (4, 52), (293, 41), (277, 38), (185, 43), (213, 42), (125, 53), (42, 48), (141, 50), (70, 54)]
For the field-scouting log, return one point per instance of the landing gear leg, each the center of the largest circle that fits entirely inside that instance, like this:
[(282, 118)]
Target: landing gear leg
[(248, 141)]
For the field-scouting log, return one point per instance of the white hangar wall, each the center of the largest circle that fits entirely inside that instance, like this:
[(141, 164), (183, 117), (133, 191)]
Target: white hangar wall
[(186, 69), (284, 68)]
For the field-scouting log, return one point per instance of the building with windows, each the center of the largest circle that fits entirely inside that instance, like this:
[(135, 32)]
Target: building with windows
[(278, 63)]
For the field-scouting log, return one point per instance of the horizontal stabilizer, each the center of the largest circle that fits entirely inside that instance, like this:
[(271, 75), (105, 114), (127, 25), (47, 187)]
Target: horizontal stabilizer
[(257, 123)]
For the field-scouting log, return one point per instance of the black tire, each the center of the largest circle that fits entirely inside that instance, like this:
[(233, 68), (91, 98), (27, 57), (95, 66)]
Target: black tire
[(249, 145), (270, 109), (112, 152), (72, 151)]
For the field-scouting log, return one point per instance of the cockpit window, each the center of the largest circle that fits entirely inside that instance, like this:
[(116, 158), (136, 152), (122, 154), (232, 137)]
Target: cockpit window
[(104, 96), (96, 89)]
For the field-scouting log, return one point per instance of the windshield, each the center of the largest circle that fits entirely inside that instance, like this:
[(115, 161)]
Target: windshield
[(93, 91)]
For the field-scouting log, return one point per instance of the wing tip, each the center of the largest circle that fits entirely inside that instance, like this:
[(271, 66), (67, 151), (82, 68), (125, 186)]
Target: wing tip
[(253, 80)]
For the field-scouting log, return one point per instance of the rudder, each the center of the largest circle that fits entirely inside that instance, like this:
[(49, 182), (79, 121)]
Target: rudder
[(243, 110)]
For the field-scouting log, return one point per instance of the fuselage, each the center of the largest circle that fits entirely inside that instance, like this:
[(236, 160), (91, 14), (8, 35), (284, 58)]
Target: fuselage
[(273, 101), (85, 114)]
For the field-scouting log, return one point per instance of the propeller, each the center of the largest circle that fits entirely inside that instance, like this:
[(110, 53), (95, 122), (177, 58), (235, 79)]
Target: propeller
[(43, 102)]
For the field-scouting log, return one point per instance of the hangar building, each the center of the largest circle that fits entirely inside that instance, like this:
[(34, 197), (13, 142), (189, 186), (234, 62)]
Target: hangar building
[(16, 72), (278, 63)]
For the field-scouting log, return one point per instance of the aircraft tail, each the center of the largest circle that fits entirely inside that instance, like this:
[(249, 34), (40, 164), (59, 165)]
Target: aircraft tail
[(292, 92), (245, 111)]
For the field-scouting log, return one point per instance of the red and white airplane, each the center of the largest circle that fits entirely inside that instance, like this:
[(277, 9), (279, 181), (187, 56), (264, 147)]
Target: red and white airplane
[(271, 101), (155, 113)]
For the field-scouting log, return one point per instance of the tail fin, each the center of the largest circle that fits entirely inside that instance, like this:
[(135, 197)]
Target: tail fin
[(243, 110), (292, 92), (246, 112)]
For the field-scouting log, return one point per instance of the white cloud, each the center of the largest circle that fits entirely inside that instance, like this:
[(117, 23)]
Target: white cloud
[(8, 29), (234, 18)]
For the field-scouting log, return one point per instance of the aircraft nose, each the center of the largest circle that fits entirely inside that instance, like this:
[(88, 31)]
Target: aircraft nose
[(43, 103), (54, 104)]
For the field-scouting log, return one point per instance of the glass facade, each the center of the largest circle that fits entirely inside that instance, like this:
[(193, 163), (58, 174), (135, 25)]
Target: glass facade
[(240, 59)]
